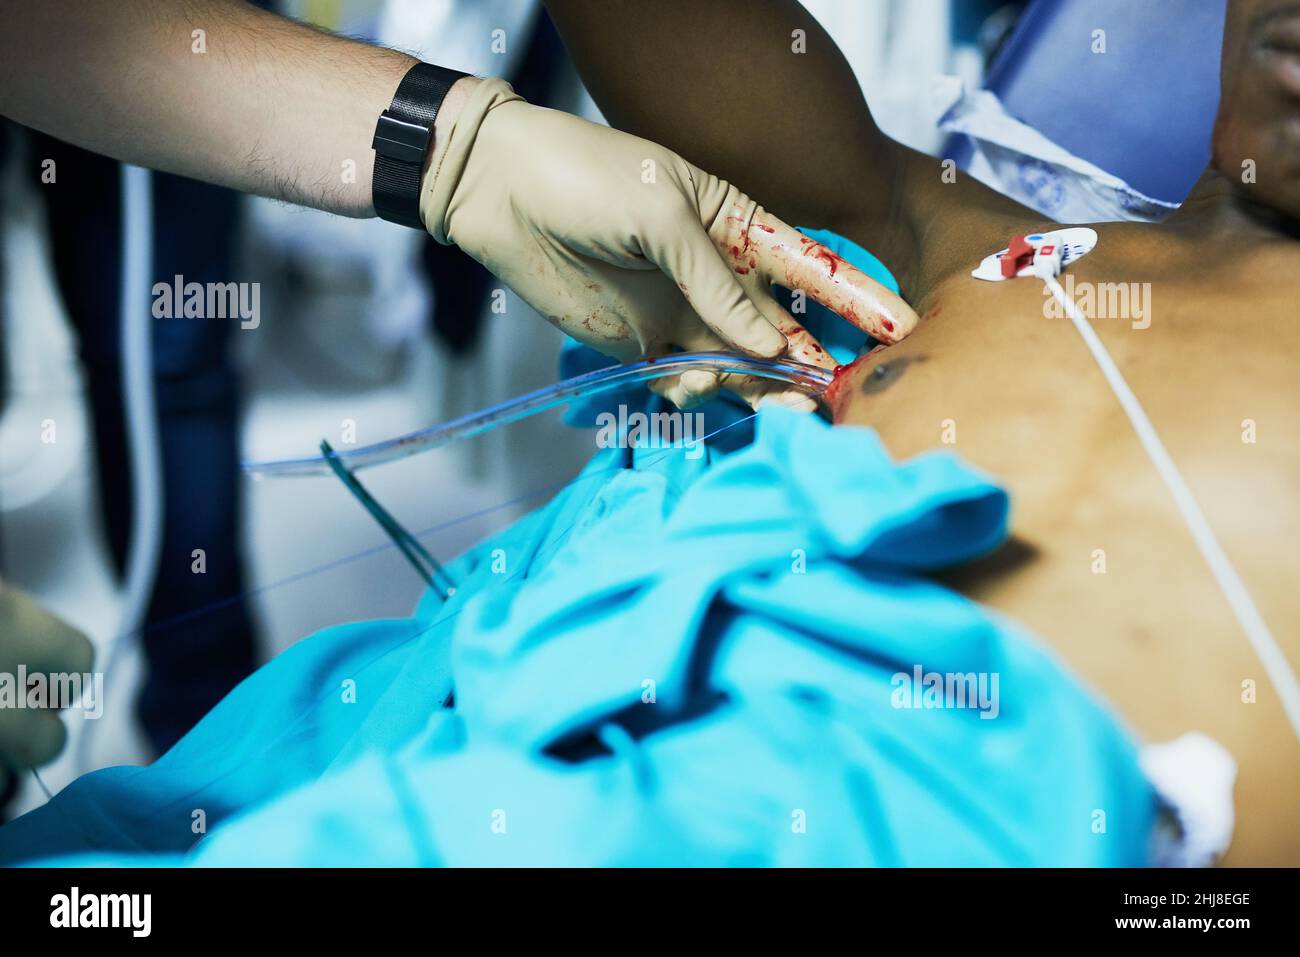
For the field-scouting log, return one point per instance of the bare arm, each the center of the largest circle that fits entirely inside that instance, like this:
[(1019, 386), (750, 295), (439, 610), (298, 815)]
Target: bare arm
[(721, 83), (221, 91), (269, 106)]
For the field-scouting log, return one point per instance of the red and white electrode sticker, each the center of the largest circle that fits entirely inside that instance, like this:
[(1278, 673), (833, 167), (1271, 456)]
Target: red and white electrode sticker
[(1075, 242)]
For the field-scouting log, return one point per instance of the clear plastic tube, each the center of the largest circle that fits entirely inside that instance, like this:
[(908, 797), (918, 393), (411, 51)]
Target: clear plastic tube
[(798, 374), (142, 430)]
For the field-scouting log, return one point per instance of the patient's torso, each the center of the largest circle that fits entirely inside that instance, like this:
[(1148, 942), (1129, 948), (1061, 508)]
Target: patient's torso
[(1102, 565)]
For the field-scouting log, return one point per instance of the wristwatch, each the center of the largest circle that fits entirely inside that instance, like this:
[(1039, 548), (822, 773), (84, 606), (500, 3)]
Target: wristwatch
[(402, 139)]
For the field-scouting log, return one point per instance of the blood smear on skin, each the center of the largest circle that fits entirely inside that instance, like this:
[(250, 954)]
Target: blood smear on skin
[(840, 376)]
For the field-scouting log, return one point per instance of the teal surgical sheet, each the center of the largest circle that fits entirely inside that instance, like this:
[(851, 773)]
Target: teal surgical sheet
[(683, 659), (677, 661)]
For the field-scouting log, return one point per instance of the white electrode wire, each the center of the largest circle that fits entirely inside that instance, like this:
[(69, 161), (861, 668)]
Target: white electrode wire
[(134, 315), (1234, 589)]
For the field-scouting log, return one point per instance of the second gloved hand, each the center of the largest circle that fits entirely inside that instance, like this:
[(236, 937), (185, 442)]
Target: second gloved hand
[(33, 638), (627, 247)]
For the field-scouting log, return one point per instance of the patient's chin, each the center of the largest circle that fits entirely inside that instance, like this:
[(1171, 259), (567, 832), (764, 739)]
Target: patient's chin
[(1261, 158), (1284, 198), (1276, 195)]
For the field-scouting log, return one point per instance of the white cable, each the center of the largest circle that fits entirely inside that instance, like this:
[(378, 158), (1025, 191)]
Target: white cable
[(1234, 589), (138, 397), (134, 314)]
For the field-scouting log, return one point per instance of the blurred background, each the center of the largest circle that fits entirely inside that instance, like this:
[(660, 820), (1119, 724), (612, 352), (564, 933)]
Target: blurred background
[(365, 331)]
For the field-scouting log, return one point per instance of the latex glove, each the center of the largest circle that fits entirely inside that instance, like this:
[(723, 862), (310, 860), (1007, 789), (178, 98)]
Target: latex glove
[(31, 636), (630, 249)]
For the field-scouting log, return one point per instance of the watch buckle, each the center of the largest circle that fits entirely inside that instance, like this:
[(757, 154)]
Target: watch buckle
[(400, 139)]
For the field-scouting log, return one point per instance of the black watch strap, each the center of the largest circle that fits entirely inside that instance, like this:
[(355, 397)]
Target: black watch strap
[(402, 139)]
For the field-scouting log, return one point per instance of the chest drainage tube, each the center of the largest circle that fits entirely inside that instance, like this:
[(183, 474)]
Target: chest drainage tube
[(811, 378)]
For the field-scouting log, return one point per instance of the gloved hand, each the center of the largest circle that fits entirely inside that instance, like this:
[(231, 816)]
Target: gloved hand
[(630, 249), (31, 636)]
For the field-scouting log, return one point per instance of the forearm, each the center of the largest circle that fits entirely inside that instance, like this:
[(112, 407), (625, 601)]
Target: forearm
[(269, 106), (723, 83), (730, 86)]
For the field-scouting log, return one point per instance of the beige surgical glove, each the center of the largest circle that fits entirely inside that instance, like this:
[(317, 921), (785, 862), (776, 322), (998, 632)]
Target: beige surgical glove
[(630, 249), (31, 636)]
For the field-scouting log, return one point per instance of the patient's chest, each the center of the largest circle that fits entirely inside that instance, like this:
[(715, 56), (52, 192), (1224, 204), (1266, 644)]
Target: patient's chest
[(1104, 567), (998, 374)]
